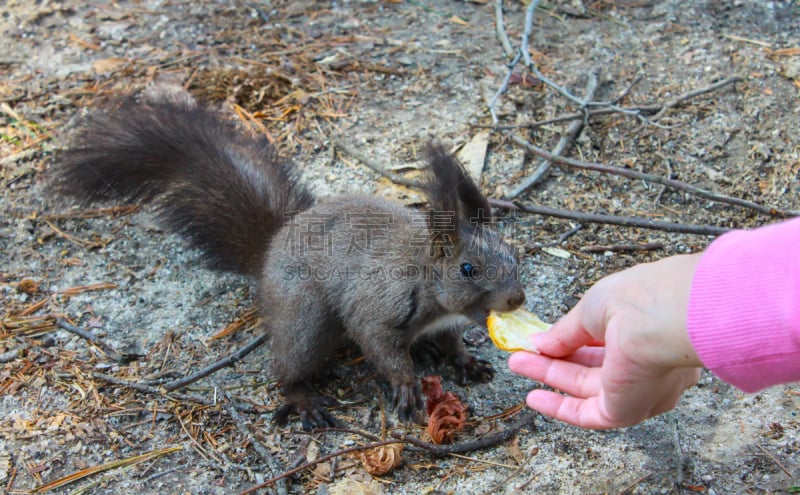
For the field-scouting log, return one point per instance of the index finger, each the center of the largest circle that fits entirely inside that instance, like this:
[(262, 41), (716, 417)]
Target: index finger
[(565, 337)]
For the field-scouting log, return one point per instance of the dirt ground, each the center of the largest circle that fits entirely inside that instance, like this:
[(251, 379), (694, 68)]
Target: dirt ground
[(385, 77)]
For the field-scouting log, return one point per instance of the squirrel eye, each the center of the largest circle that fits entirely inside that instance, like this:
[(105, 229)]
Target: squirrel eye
[(468, 270)]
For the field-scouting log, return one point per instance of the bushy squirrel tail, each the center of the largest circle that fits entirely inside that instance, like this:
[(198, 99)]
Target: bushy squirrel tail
[(225, 191)]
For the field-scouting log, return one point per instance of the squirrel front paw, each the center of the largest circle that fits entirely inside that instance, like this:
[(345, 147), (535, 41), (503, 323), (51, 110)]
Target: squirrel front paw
[(407, 401), (473, 370), (313, 412)]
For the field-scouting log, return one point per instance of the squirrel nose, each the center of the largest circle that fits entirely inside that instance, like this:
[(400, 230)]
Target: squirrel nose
[(516, 300)]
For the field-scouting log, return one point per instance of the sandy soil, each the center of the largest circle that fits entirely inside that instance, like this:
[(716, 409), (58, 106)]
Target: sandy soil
[(384, 77)]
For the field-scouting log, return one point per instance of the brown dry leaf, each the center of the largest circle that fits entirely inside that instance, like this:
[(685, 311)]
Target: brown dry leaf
[(459, 20), (108, 65), (28, 286), (446, 413), (348, 486), (473, 155), (383, 459)]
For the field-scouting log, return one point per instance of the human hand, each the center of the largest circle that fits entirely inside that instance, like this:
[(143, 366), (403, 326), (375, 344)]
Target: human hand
[(647, 360)]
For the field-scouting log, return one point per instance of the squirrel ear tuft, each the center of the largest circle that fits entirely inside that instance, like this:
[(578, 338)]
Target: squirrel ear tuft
[(450, 188)]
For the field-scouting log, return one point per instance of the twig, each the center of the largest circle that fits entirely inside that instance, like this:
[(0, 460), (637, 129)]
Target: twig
[(563, 237), (86, 334), (501, 28), (469, 446), (633, 174), (650, 246), (396, 178), (262, 451), (228, 361), (633, 485), (691, 94), (504, 482), (638, 110), (642, 223), (526, 58), (175, 396), (574, 129), (775, 460), (319, 460), (503, 88), (11, 355)]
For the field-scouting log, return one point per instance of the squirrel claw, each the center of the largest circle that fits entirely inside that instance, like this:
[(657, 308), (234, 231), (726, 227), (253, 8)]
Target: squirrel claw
[(474, 370), (407, 401), (313, 413)]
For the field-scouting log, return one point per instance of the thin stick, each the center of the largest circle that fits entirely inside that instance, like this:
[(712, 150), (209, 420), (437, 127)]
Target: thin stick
[(691, 94), (633, 174), (775, 460), (319, 460), (262, 451), (174, 396), (642, 223), (461, 447), (396, 178), (574, 130), (222, 363), (650, 246), (501, 28), (86, 334), (633, 485), (638, 110), (503, 88)]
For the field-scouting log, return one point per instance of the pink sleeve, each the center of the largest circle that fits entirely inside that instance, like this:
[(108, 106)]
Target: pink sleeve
[(744, 308)]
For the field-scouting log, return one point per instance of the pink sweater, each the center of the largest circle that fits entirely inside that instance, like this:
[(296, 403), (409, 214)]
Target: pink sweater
[(744, 307)]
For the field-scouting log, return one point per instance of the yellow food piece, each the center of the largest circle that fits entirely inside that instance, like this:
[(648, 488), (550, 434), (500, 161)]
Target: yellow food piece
[(510, 331)]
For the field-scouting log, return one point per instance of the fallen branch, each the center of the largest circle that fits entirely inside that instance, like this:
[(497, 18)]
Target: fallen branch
[(175, 396), (319, 460), (471, 445), (650, 246), (396, 178), (563, 237), (501, 29), (674, 184), (696, 92), (89, 336), (642, 223), (565, 141), (638, 110), (262, 451), (222, 363)]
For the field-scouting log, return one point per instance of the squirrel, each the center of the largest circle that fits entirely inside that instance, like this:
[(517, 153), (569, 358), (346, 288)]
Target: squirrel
[(352, 269)]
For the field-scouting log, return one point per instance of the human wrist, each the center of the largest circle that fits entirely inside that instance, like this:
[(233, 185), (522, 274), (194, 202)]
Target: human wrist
[(659, 292)]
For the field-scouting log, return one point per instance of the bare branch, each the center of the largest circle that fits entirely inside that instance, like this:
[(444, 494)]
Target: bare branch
[(642, 223), (227, 361), (396, 178), (674, 184), (566, 140)]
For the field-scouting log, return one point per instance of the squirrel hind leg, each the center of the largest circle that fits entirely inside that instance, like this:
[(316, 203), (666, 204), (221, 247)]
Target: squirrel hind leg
[(304, 340), (311, 407)]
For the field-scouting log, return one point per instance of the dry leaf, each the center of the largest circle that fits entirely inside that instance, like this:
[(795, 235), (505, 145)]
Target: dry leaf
[(557, 252), (28, 286), (108, 65), (473, 155), (459, 20), (348, 486), (446, 413), (383, 459)]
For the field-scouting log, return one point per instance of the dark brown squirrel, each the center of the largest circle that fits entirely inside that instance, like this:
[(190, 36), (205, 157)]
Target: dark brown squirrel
[(353, 268)]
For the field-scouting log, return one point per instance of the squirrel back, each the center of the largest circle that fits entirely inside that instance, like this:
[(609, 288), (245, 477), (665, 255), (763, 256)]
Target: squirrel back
[(225, 191)]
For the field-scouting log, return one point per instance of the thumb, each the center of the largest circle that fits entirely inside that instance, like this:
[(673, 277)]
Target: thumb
[(565, 337)]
